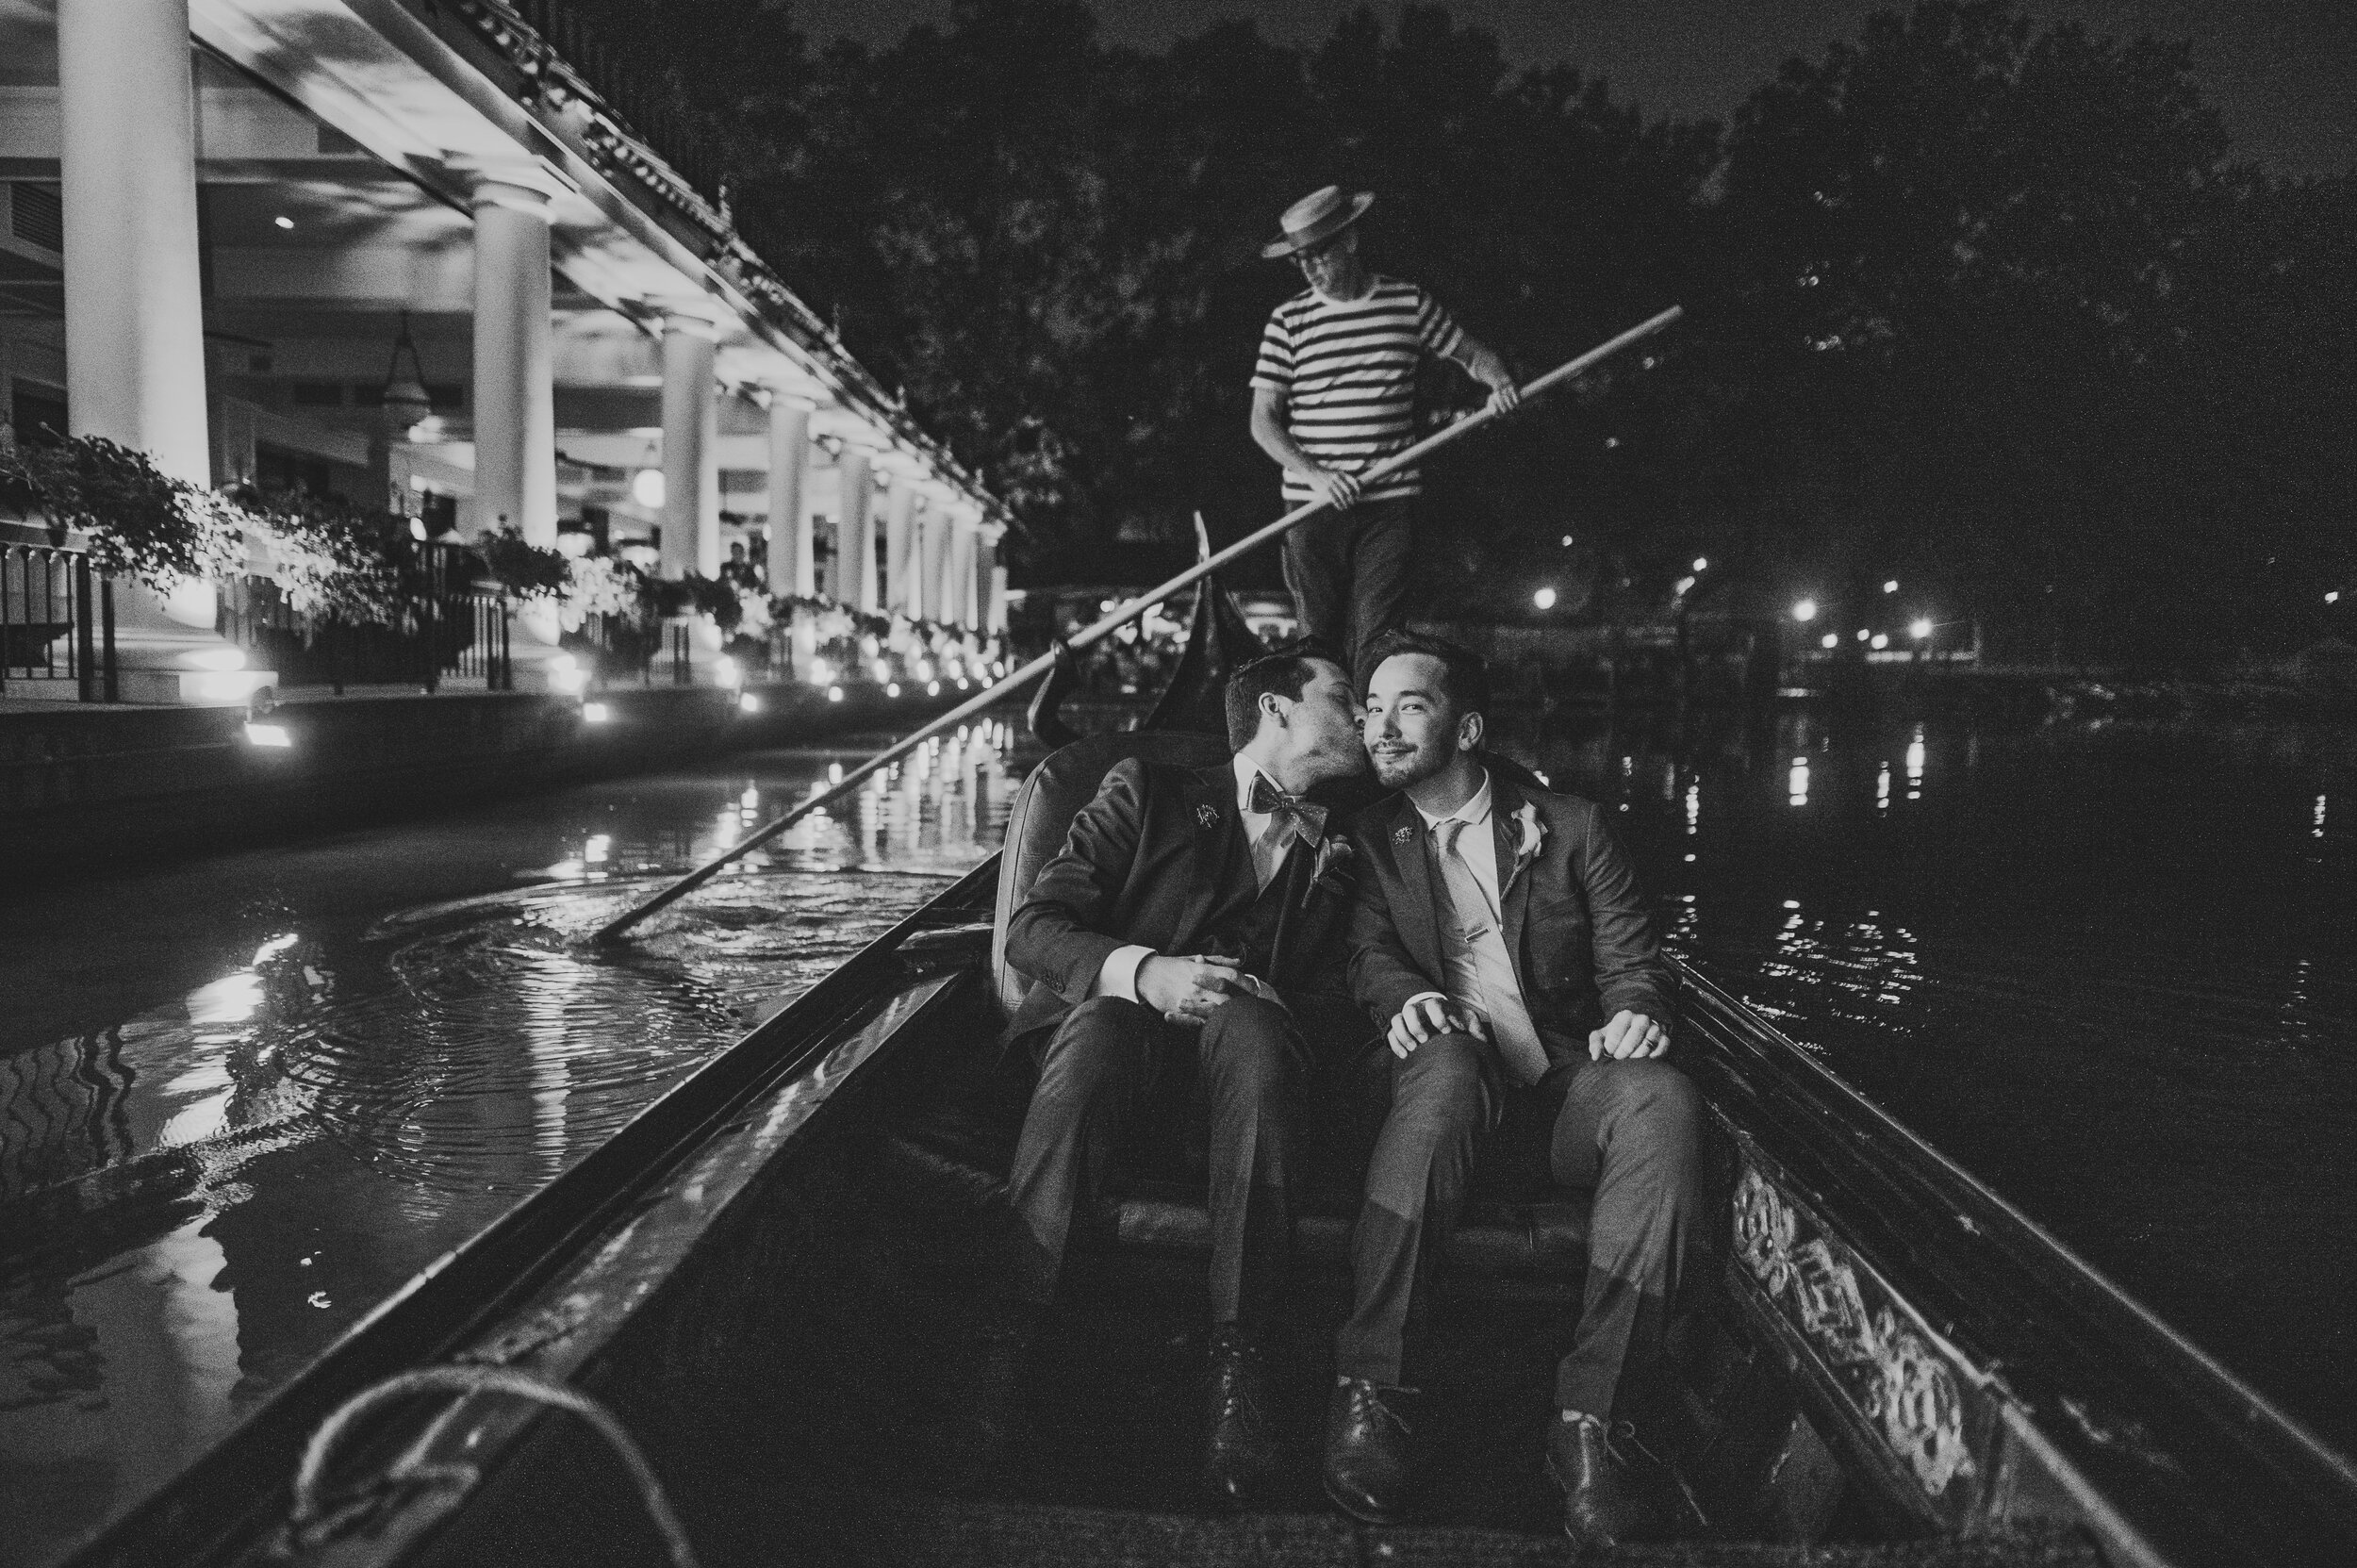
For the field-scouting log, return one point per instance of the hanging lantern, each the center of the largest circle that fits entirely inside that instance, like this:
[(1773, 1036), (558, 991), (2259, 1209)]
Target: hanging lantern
[(406, 401)]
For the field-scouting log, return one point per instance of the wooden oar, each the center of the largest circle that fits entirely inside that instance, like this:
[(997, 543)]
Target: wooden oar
[(1105, 627)]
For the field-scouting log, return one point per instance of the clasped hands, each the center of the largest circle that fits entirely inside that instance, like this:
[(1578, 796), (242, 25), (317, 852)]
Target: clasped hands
[(1189, 990), (1630, 1036)]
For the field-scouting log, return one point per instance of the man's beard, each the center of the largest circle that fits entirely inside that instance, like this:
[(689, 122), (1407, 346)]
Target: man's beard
[(1399, 773)]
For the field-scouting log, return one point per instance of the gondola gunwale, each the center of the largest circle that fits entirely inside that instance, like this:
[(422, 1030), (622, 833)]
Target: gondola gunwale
[(454, 1300), (1925, 1255)]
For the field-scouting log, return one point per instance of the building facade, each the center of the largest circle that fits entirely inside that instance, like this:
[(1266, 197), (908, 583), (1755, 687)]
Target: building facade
[(419, 253)]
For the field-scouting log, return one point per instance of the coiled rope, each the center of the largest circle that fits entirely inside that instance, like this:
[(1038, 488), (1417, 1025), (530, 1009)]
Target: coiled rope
[(314, 1521)]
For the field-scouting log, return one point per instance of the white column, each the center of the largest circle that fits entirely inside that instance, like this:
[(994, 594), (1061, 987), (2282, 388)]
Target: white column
[(984, 575), (902, 590), (936, 541), (995, 613), (134, 309), (855, 533), (134, 306), (961, 574), (691, 472), (791, 560), (515, 397)]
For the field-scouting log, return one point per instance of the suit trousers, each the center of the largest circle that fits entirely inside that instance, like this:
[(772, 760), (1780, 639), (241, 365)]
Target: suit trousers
[(1631, 1132), (1103, 1060), (1349, 572)]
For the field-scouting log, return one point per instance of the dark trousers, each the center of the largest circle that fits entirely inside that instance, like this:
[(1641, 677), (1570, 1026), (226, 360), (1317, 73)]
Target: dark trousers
[(1349, 572), (1629, 1130), (1105, 1058)]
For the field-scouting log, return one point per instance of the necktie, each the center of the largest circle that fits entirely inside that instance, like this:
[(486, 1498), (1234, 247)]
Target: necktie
[(1498, 994), (1307, 820)]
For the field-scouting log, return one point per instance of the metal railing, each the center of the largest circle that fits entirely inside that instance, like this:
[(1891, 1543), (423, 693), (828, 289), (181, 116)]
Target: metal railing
[(445, 630), (56, 624)]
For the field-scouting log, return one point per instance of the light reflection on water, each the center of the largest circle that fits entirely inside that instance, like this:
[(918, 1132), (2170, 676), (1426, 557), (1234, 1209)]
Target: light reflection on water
[(2107, 966), (197, 1198)]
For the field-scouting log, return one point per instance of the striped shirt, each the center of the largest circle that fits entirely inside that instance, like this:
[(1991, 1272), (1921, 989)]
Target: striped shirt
[(1348, 374)]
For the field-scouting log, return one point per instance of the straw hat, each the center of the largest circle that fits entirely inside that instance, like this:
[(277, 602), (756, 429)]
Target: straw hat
[(1315, 219)]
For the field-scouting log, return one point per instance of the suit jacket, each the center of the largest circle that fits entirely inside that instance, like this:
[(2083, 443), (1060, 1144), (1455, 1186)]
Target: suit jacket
[(1576, 927), (1160, 860)]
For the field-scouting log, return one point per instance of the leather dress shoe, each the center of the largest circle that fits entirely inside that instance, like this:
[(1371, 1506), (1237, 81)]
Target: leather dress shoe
[(1602, 1503), (1239, 1447), (1368, 1473)]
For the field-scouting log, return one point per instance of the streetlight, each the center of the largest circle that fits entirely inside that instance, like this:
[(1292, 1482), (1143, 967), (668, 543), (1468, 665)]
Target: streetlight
[(1863, 633), (1805, 611), (1829, 640), (1544, 599), (1701, 563), (2333, 598), (1918, 630), (1891, 587)]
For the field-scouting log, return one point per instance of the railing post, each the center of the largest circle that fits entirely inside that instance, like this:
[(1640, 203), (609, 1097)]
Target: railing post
[(85, 643), (106, 626), (432, 641)]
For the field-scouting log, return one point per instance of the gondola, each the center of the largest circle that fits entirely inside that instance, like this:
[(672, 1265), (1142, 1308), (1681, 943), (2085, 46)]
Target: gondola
[(760, 1278)]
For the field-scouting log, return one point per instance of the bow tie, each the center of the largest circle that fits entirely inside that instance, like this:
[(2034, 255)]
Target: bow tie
[(1307, 818)]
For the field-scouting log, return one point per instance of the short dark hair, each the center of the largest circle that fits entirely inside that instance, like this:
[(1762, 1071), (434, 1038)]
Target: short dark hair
[(1464, 674), (1283, 670)]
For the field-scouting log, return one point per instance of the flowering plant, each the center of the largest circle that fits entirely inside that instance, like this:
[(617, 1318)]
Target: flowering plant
[(526, 570), (141, 522), (603, 586)]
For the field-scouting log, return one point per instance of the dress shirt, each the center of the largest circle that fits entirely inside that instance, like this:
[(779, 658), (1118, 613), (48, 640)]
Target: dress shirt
[(1479, 845), (1268, 842)]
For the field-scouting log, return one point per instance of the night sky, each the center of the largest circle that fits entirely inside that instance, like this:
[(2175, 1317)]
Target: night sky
[(2282, 73)]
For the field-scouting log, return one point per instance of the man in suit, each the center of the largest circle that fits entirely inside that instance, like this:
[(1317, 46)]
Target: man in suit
[(1501, 943), (1194, 922)]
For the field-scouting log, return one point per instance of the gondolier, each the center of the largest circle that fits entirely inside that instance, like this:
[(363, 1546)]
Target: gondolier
[(1334, 392)]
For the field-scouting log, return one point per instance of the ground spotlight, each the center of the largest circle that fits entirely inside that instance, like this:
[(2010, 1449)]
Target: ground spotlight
[(932, 688), (1829, 640), (834, 694), (748, 702), (1544, 599), (1805, 610), (893, 689), (1920, 630), (596, 713), (266, 734)]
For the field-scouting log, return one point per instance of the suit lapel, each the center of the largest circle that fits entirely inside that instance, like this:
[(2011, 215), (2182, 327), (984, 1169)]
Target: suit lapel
[(1514, 890), (1416, 871), (1222, 863)]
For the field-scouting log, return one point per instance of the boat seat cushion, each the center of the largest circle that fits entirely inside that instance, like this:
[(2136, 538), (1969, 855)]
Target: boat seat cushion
[(1041, 818)]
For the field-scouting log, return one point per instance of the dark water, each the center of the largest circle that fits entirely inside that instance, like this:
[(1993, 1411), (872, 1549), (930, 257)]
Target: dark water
[(2112, 969), (281, 1085)]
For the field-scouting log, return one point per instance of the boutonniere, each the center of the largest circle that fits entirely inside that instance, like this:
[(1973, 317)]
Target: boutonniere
[(1530, 834), (1208, 815), (1404, 834), (1332, 869)]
